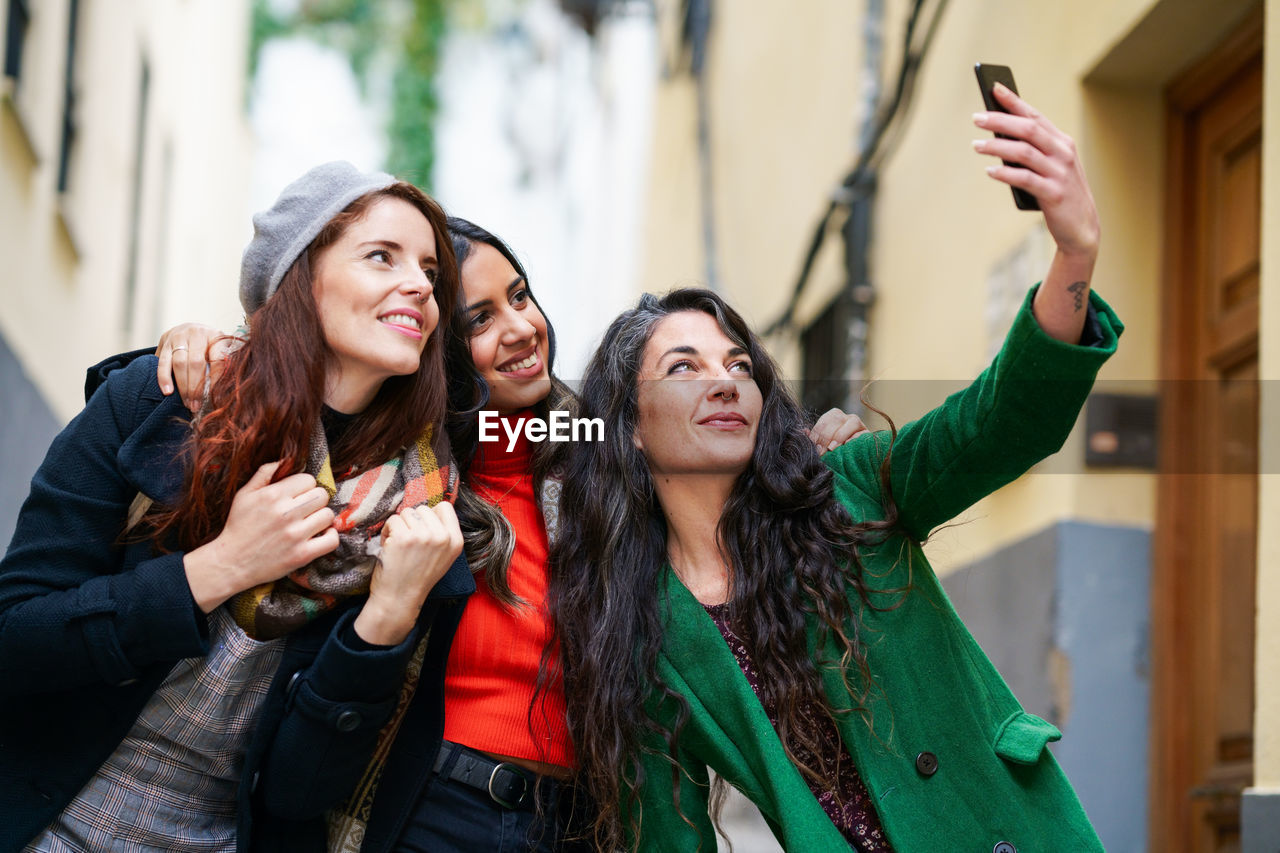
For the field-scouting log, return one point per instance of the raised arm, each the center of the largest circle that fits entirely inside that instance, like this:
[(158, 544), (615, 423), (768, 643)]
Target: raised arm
[(1017, 412), (1023, 406)]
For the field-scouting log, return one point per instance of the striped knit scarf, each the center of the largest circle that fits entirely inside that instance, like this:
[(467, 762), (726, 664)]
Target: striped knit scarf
[(361, 504)]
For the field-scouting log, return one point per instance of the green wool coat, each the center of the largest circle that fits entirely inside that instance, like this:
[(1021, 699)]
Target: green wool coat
[(952, 762)]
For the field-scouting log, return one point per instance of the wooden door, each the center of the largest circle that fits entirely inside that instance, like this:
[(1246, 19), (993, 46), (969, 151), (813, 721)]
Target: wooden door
[(1203, 600)]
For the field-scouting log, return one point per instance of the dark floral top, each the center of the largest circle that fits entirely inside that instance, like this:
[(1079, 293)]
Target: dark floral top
[(844, 798)]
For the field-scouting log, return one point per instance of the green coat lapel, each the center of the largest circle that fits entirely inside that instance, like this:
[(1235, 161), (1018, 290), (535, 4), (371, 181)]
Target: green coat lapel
[(731, 732)]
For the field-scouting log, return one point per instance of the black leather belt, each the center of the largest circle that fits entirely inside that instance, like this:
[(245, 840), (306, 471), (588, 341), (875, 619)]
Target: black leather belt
[(509, 785)]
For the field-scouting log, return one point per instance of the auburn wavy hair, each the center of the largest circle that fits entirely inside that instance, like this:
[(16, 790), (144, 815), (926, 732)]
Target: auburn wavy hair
[(271, 391), (792, 551)]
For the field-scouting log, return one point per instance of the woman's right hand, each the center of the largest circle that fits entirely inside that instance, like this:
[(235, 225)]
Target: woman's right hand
[(834, 428), (185, 351), (272, 529), (418, 546)]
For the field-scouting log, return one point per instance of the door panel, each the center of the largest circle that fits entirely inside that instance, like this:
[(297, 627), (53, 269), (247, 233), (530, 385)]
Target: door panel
[(1203, 599)]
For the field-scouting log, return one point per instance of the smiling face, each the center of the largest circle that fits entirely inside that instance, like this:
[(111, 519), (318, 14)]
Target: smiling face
[(508, 334), (373, 289), (699, 407)]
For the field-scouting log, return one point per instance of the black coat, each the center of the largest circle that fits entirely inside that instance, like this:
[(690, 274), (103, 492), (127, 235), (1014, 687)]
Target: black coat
[(90, 627)]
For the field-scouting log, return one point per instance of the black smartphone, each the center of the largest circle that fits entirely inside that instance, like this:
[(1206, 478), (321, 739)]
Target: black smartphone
[(988, 76)]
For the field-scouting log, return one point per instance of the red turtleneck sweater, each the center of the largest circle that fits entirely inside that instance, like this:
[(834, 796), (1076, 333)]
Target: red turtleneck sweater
[(493, 664)]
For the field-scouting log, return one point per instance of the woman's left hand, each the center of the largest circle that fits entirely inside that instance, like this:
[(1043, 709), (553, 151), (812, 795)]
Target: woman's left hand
[(835, 428), (1053, 175), (418, 546), (1053, 172)]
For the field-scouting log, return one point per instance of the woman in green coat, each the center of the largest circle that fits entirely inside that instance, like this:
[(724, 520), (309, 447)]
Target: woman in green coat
[(726, 600)]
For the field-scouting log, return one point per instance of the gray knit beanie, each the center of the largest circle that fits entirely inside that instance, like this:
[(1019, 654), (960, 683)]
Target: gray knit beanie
[(304, 208)]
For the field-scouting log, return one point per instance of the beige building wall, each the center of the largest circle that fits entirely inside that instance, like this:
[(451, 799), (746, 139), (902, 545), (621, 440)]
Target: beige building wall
[(122, 253), (783, 90)]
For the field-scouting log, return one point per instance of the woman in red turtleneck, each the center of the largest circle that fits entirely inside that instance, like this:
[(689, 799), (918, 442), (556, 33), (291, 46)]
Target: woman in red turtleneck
[(504, 710)]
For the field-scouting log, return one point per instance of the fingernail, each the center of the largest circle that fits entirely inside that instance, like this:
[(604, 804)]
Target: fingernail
[(979, 144), (980, 119), (1000, 86), (991, 170), (167, 389)]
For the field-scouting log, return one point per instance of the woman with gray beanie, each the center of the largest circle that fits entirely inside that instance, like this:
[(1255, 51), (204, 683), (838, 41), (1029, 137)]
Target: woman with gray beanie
[(177, 585)]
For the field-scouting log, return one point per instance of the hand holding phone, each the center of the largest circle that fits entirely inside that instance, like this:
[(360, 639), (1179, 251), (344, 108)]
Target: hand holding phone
[(1045, 163), (988, 76)]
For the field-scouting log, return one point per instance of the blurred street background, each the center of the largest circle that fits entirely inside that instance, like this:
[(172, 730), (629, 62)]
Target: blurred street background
[(811, 160)]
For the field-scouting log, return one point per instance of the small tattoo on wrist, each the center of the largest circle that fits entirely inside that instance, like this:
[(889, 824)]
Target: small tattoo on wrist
[(1078, 290)]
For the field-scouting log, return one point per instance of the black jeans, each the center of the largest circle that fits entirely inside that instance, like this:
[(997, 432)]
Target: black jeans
[(453, 817)]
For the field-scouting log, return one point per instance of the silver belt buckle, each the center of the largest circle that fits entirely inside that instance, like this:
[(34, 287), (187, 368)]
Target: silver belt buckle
[(499, 800)]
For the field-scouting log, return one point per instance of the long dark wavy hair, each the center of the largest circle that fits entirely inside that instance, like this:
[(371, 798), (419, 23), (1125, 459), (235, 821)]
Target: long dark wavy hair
[(791, 548), (276, 380), (489, 538)]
